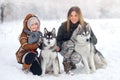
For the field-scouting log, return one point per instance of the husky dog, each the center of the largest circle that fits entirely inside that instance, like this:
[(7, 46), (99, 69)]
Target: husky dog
[(50, 61), (92, 58)]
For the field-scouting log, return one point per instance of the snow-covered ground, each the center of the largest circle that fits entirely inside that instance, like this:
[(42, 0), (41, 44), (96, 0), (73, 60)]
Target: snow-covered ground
[(106, 30)]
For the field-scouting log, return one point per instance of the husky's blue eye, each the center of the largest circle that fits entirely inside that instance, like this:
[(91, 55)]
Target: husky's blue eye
[(47, 36), (50, 36)]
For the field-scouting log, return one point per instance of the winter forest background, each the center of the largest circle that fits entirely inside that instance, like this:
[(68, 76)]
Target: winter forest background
[(57, 9)]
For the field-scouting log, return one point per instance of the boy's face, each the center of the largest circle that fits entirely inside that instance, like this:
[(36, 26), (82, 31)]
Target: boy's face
[(34, 27)]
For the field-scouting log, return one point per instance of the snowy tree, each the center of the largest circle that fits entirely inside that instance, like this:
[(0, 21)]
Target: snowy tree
[(57, 9), (2, 12)]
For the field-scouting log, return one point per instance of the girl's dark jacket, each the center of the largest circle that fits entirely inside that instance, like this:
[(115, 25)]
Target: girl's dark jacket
[(63, 35)]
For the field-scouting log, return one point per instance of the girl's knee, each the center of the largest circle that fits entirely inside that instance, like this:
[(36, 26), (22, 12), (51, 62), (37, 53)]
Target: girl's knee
[(75, 57)]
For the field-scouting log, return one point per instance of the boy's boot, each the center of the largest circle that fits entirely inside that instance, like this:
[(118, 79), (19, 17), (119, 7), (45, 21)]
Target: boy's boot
[(73, 66), (25, 67), (66, 65)]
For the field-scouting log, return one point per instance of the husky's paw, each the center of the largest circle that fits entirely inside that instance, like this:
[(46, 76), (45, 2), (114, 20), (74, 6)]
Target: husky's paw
[(93, 71), (56, 75), (84, 71), (71, 73), (42, 75), (88, 72)]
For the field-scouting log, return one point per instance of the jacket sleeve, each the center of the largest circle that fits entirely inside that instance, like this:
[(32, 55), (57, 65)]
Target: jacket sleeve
[(24, 43), (60, 34), (93, 38)]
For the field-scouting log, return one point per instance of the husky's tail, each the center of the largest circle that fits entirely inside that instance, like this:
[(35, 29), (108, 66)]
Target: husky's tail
[(99, 59)]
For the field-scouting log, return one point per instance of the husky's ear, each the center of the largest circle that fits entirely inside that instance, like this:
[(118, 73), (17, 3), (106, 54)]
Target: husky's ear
[(54, 31), (79, 28), (45, 30), (88, 28)]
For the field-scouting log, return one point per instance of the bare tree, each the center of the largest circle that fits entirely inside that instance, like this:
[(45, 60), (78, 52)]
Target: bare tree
[(2, 12)]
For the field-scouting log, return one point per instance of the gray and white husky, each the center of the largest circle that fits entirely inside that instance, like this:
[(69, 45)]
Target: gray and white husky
[(50, 61), (92, 58)]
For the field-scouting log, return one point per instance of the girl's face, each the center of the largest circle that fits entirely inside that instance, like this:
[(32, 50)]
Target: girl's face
[(34, 27), (74, 17)]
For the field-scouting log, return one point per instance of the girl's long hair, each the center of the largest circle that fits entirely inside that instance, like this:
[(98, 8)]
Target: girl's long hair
[(78, 11)]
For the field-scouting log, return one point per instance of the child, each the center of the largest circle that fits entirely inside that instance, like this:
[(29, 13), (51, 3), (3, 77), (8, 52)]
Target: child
[(29, 42)]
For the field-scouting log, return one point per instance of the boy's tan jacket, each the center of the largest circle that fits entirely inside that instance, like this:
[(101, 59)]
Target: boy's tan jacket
[(25, 47)]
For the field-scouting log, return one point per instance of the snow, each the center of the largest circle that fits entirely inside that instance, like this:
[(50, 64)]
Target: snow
[(106, 31)]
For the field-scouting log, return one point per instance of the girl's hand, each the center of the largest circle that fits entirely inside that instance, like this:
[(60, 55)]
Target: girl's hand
[(57, 48)]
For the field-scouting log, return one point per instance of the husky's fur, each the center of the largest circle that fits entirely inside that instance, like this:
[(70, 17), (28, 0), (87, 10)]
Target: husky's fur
[(50, 61), (92, 58)]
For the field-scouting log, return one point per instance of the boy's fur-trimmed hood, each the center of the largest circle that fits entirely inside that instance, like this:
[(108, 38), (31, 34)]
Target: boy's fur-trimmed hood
[(25, 22)]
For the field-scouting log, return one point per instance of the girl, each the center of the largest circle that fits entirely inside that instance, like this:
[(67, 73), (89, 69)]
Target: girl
[(74, 18)]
